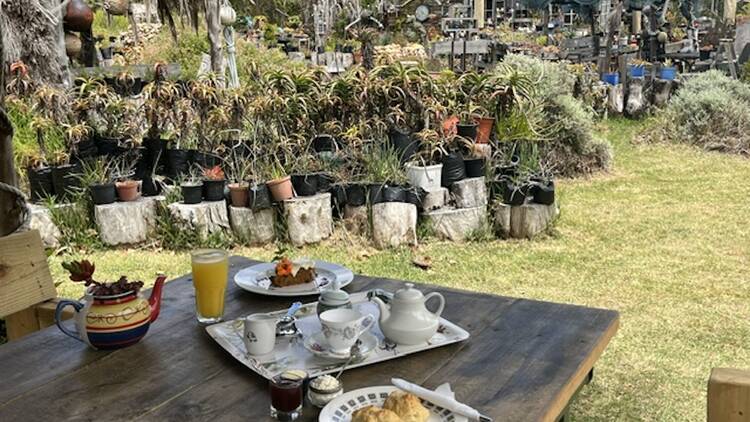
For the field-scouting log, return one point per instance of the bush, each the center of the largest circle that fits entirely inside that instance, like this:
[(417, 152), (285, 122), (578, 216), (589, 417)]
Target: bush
[(553, 77), (711, 111)]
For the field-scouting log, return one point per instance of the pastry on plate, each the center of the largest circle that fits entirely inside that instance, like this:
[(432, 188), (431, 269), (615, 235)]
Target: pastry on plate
[(407, 406), (374, 414), (291, 273)]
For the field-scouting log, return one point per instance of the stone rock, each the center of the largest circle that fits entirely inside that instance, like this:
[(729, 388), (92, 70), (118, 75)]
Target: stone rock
[(434, 199), (356, 219), (42, 220), (309, 219), (528, 220), (635, 104), (394, 224), (125, 223), (502, 219), (206, 217), (456, 223), (254, 227), (469, 193), (615, 98)]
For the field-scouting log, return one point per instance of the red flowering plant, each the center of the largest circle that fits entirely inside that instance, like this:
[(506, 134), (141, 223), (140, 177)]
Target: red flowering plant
[(83, 271)]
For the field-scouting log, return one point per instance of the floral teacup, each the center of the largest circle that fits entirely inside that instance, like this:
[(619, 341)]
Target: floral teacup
[(342, 327)]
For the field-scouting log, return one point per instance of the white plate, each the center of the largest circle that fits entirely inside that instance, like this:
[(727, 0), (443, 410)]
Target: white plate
[(256, 279), (318, 346), (341, 408)]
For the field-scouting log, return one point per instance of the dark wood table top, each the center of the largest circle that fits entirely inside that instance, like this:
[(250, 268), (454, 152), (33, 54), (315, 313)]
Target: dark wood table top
[(524, 361)]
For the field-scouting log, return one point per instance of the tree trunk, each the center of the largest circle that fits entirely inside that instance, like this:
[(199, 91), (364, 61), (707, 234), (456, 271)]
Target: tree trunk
[(11, 217), (213, 24)]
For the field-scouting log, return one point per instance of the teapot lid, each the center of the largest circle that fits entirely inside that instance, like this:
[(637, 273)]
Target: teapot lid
[(408, 294)]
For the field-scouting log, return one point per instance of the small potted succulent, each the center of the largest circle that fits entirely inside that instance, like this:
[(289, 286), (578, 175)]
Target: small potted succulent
[(385, 174), (543, 187), (97, 176), (191, 186), (474, 159), (280, 183), (128, 189), (238, 168), (305, 178), (213, 183)]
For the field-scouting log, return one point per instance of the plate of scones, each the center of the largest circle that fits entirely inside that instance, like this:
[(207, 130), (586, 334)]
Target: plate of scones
[(287, 277), (384, 404)]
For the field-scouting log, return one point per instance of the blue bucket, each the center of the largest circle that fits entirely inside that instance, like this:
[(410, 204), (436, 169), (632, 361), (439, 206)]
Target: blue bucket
[(668, 73), (637, 70), (611, 78)]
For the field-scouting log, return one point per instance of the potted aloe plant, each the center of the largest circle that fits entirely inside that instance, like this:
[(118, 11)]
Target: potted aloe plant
[(425, 171), (178, 154), (191, 186), (213, 183), (280, 183), (305, 177), (238, 168), (386, 176), (128, 189), (97, 176)]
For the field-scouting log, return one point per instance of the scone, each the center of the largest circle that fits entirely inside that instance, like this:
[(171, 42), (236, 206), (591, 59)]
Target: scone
[(407, 406), (374, 414)]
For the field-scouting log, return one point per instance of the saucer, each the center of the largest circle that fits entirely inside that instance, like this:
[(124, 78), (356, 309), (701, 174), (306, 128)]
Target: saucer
[(317, 344)]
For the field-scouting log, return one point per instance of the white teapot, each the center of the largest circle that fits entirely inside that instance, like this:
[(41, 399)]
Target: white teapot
[(407, 320)]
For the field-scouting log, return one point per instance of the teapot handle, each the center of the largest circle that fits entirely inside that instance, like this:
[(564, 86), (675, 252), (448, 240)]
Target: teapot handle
[(442, 302), (58, 316)]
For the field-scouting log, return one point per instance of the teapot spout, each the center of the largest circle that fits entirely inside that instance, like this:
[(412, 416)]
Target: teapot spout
[(385, 313), (155, 300)]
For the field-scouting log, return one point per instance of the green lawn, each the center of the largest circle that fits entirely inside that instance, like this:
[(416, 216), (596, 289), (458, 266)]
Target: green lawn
[(663, 238)]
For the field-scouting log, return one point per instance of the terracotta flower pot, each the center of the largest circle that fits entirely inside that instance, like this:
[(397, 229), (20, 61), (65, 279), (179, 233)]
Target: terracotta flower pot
[(449, 126), (239, 194), (281, 189), (129, 190), (485, 129)]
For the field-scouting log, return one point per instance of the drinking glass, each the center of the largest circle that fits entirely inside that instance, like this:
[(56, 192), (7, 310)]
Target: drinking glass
[(210, 274), (286, 398)]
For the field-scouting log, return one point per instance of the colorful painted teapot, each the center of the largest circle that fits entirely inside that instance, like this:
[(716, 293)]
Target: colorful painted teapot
[(112, 322)]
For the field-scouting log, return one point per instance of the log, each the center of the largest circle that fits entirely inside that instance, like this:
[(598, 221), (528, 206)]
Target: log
[(215, 39), (11, 214), (729, 395)]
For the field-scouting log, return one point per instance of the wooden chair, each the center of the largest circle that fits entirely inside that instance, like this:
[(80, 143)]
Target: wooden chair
[(729, 395), (27, 294)]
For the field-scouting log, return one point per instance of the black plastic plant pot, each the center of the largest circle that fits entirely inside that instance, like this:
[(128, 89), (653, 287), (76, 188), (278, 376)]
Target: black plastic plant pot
[(474, 167), (467, 130), (543, 192), (107, 52), (338, 199), (325, 181), (192, 194), (454, 169), (324, 143), (259, 197), (356, 194), (305, 184), (103, 194), (177, 163), (375, 193), (155, 151), (515, 195), (509, 171), (403, 143), (66, 180), (150, 187), (414, 196), (205, 159), (107, 146), (394, 194), (85, 149), (213, 190), (40, 184)]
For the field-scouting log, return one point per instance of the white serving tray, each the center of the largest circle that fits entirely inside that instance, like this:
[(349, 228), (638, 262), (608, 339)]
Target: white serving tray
[(290, 353)]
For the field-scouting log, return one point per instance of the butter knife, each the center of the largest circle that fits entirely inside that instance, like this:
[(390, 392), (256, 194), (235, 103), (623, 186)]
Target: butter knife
[(440, 400)]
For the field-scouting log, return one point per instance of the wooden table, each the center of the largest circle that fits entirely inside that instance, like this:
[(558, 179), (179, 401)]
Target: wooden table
[(525, 360)]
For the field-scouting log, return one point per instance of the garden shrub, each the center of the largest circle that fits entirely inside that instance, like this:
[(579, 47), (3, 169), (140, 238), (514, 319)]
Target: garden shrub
[(553, 77), (711, 111)]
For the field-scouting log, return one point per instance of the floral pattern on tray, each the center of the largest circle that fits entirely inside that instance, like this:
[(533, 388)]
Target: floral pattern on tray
[(290, 352)]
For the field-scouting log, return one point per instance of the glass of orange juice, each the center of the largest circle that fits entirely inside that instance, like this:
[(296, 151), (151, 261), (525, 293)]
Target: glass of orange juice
[(210, 274)]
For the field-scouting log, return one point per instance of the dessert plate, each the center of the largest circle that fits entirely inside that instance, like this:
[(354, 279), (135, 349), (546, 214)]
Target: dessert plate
[(318, 346), (342, 407), (256, 279)]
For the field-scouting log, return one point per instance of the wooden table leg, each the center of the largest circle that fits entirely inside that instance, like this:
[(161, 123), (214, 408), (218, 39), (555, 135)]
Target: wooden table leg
[(587, 380)]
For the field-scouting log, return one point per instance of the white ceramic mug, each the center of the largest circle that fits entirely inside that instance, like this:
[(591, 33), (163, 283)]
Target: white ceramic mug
[(260, 334), (342, 327)]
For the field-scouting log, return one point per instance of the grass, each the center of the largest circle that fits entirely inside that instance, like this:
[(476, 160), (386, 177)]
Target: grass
[(663, 239)]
